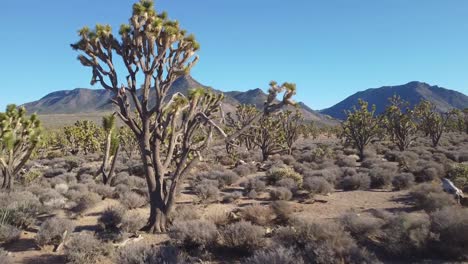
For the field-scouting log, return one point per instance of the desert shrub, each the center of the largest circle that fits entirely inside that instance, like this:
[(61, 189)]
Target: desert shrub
[(381, 176), (30, 176), (259, 215), (429, 197), (450, 225), (370, 163), (184, 212), (111, 219), (282, 211), (276, 174), (280, 193), (427, 171), (403, 181), (361, 227), (289, 184), (5, 257), (219, 218), (459, 175), (275, 255), (207, 191), (254, 184), (84, 202), (9, 234), (132, 200), (243, 237), (356, 182), (53, 172), (245, 169), (317, 185), (252, 194), (406, 235), (53, 231), (132, 222), (346, 161), (326, 242), (85, 248), (19, 208), (105, 191), (463, 157), (61, 188), (227, 178), (52, 199), (194, 234), (232, 197), (148, 254)]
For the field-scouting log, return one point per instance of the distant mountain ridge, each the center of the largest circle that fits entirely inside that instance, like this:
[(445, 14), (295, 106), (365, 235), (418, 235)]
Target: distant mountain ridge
[(413, 92), (82, 100)]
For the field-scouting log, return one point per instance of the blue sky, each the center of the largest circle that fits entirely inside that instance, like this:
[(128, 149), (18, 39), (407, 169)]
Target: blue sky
[(330, 48)]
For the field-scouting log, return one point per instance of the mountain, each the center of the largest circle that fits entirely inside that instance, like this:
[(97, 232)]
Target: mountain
[(413, 92), (82, 101)]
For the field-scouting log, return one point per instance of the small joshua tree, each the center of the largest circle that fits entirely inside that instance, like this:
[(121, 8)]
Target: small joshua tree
[(84, 136), (19, 136), (112, 148), (432, 122), (268, 135), (243, 116), (399, 122), (292, 125), (128, 142), (360, 127), (172, 131)]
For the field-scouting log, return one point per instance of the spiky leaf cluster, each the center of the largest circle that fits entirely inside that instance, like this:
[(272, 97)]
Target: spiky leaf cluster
[(19, 136)]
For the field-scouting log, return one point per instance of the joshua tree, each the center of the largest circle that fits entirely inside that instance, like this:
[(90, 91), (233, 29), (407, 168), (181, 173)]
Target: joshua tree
[(171, 132), (291, 126), (269, 136), (360, 127), (112, 148), (83, 136), (128, 142), (19, 136), (432, 122), (399, 121), (244, 115)]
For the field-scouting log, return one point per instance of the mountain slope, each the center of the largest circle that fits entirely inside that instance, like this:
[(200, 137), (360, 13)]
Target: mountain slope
[(80, 101), (413, 92)]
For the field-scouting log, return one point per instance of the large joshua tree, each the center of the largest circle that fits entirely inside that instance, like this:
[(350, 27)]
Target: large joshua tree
[(172, 131), (19, 136)]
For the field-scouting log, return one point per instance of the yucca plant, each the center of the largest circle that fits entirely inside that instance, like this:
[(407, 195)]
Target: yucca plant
[(19, 136)]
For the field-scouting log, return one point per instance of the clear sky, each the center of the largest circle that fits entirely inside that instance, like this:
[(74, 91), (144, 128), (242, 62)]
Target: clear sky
[(330, 48)]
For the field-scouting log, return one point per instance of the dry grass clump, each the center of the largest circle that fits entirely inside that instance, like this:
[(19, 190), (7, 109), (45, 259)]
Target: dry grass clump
[(276, 174), (317, 185), (148, 254), (450, 226), (430, 197), (359, 181), (85, 202), (132, 200), (323, 242), (403, 181), (85, 248), (275, 255), (194, 234), (280, 193), (9, 234), (254, 184), (54, 231), (207, 190), (258, 214), (243, 237)]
